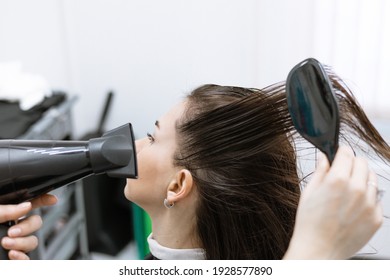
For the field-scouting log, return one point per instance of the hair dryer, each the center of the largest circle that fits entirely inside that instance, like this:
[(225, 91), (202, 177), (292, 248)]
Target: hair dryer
[(29, 168)]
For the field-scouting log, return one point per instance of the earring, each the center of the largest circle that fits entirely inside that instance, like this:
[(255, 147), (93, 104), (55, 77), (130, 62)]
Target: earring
[(167, 204)]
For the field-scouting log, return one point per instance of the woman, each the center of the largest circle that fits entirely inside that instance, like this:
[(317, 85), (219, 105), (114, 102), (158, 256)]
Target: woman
[(19, 240), (219, 179)]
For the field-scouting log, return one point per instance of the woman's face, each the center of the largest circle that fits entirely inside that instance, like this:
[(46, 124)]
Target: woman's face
[(155, 163)]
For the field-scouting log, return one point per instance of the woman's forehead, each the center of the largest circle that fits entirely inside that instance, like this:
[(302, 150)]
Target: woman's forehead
[(173, 114)]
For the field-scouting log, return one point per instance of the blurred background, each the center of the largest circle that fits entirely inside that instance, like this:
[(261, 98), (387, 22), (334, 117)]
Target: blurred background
[(150, 53)]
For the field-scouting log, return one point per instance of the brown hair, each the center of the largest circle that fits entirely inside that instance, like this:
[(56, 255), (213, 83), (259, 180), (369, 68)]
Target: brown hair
[(238, 145)]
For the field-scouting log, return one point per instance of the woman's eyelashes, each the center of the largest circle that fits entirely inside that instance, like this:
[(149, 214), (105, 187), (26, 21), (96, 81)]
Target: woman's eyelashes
[(150, 137)]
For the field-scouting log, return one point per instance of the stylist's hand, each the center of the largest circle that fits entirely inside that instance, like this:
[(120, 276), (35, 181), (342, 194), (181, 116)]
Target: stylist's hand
[(338, 212), (19, 240)]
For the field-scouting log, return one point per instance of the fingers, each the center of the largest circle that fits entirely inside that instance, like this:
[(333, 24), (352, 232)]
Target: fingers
[(17, 255), (321, 170), (44, 200), (19, 239), (372, 187), (24, 244), (359, 177), (339, 171), (26, 226), (372, 198), (14, 212), (340, 213), (341, 168)]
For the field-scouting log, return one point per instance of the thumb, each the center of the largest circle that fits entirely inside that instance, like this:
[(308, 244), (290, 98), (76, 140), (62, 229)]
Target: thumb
[(14, 212), (321, 170)]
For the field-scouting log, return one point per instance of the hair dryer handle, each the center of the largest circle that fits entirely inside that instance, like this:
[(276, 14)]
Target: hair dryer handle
[(3, 232)]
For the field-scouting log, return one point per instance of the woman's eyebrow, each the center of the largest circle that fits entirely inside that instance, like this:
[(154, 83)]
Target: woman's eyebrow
[(157, 124)]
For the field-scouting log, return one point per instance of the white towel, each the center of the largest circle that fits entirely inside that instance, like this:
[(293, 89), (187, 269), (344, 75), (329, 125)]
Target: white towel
[(15, 85)]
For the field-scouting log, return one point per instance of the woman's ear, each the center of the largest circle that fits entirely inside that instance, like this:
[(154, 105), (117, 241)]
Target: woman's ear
[(180, 186)]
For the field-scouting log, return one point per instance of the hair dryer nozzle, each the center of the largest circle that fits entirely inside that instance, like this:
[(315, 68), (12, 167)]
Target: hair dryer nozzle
[(114, 153)]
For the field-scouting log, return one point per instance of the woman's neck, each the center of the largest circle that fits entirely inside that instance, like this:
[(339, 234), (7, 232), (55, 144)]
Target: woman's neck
[(175, 229)]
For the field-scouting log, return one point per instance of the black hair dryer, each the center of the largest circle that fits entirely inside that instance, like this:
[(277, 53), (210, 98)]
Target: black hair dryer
[(29, 168)]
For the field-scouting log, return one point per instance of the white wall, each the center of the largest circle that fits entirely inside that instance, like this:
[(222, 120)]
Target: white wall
[(31, 32), (153, 52), (149, 52)]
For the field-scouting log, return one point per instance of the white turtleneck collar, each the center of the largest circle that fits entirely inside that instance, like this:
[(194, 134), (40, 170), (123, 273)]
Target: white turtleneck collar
[(164, 253)]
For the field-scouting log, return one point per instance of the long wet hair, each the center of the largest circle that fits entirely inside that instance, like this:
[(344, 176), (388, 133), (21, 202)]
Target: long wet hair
[(238, 144)]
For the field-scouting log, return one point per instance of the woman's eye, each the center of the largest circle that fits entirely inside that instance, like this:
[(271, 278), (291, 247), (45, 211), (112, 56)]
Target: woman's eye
[(150, 137)]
